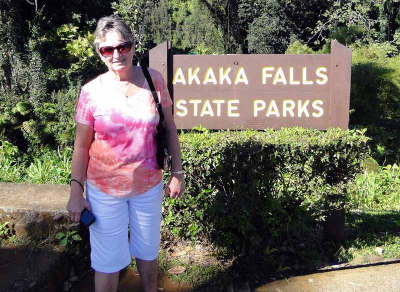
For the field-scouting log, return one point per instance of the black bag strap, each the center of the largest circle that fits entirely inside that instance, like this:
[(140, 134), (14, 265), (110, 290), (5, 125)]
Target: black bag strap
[(153, 91)]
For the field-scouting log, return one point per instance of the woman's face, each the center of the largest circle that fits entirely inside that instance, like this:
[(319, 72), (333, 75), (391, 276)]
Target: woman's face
[(116, 62)]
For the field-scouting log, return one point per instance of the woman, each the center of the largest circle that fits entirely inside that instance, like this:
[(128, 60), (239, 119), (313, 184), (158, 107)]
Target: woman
[(115, 151)]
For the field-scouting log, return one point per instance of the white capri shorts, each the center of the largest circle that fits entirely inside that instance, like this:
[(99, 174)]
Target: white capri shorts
[(111, 250)]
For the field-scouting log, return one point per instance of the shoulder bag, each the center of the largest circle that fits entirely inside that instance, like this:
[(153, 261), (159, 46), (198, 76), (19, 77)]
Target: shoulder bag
[(163, 155)]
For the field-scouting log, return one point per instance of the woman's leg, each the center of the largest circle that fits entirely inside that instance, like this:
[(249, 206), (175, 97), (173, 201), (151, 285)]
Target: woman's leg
[(108, 238), (145, 221), (104, 282), (148, 274)]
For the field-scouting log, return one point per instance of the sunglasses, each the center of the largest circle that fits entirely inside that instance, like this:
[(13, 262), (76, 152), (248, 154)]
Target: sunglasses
[(122, 49)]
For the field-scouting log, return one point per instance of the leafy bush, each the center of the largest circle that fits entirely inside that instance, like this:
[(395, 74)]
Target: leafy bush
[(6, 231), (246, 185), (298, 47)]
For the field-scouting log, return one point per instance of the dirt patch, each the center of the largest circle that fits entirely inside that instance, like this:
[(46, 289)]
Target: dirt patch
[(130, 281)]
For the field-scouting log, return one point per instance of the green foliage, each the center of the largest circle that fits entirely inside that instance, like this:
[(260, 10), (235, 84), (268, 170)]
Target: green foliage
[(196, 273), (75, 241), (347, 35), (10, 170), (375, 92), (79, 45), (298, 48), (359, 20), (68, 238), (186, 23), (5, 231), (349, 14), (242, 185), (42, 66), (367, 230), (37, 78), (225, 14), (269, 34), (159, 23), (49, 124), (265, 26), (60, 124), (377, 190), (135, 13), (50, 168), (193, 30)]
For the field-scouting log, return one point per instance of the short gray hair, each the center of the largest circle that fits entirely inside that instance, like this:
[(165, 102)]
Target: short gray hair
[(111, 23)]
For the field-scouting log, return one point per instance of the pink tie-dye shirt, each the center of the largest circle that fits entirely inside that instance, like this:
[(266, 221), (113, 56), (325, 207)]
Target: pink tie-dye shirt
[(122, 157)]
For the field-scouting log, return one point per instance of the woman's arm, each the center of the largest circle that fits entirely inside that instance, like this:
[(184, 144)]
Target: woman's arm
[(176, 184), (80, 159)]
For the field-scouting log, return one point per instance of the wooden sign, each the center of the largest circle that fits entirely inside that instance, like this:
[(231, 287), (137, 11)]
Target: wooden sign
[(257, 91)]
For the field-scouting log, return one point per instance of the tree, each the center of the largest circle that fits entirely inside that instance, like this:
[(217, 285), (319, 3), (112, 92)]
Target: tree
[(270, 33), (225, 14), (158, 24), (274, 23), (303, 15), (192, 30), (388, 24), (365, 20)]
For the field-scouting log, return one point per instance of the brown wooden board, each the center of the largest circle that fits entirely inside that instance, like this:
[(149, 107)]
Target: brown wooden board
[(259, 91)]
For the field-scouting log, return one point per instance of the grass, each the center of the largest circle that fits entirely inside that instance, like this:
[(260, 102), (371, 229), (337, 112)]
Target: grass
[(376, 189), (368, 230), (50, 167)]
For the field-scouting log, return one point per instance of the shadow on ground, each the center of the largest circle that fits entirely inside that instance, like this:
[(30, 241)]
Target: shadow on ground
[(305, 252), (28, 268)]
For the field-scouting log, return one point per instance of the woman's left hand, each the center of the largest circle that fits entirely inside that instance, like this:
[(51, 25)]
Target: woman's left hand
[(175, 186)]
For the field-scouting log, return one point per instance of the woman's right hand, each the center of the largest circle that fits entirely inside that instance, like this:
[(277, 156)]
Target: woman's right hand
[(75, 206)]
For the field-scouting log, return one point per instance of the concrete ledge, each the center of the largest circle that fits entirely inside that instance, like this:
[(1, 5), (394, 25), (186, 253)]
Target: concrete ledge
[(32, 209), (41, 198)]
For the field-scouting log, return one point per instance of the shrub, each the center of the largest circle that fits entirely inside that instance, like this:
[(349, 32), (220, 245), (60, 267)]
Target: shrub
[(253, 184)]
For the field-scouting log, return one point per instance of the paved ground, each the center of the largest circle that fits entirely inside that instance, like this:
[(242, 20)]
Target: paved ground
[(379, 278)]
